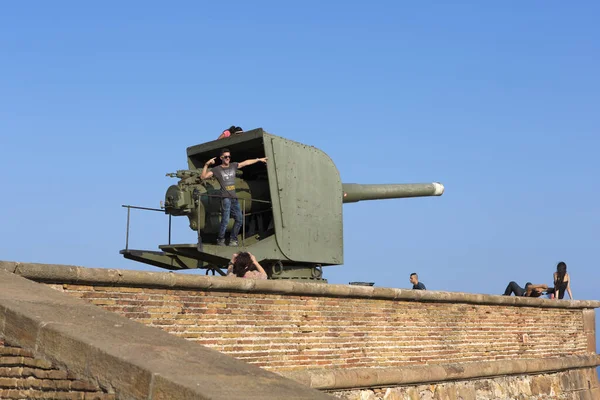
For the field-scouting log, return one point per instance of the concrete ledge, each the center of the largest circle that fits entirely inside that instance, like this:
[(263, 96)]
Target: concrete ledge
[(331, 379), (125, 357), (49, 273)]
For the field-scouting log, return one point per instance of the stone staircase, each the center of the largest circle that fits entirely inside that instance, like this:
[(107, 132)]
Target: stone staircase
[(22, 376)]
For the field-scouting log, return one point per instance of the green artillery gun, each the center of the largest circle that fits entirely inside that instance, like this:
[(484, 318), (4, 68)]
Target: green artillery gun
[(292, 208)]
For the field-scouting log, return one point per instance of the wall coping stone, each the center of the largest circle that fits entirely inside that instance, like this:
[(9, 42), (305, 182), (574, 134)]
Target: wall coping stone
[(355, 378), (52, 273), (125, 357)]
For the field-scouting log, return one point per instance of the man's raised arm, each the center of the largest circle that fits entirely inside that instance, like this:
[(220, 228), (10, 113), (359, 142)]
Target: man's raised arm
[(205, 172), (251, 161)]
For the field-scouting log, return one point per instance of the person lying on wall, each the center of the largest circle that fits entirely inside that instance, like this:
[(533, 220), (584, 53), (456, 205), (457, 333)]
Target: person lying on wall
[(530, 289), (245, 265), (233, 130)]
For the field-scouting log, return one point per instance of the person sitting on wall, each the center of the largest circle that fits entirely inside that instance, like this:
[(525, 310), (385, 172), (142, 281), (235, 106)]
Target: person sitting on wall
[(414, 279), (562, 282), (530, 290), (245, 265), (225, 174), (233, 130)]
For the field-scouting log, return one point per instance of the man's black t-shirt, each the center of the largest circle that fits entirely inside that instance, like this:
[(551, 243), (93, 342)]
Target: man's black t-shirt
[(226, 178), (419, 286)]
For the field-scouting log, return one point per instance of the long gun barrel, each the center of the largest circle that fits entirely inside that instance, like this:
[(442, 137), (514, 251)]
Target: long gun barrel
[(354, 192)]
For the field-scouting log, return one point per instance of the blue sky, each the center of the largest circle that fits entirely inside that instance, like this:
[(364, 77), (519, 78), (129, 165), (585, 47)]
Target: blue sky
[(499, 102)]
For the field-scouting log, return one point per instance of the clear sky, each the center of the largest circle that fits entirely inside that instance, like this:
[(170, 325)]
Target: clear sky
[(498, 101)]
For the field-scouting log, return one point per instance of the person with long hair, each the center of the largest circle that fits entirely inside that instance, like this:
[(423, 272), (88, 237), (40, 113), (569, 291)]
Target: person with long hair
[(245, 265), (562, 281)]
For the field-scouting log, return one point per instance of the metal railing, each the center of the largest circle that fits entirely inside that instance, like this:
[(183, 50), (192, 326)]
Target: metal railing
[(243, 207), (141, 208)]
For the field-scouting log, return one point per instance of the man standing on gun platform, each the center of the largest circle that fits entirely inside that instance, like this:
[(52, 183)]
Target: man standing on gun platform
[(225, 174)]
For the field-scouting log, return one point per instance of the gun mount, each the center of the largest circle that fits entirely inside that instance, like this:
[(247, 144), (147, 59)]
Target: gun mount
[(292, 208)]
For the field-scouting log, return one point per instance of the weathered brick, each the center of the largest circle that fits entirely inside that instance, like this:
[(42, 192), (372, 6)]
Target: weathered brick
[(15, 351), (84, 386), (9, 382), (62, 384)]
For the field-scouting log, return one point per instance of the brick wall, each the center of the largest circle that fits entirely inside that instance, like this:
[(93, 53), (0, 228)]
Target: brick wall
[(123, 357), (22, 376), (290, 331)]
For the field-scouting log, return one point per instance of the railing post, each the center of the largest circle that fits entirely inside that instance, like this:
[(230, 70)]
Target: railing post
[(127, 236), (170, 228), (244, 223)]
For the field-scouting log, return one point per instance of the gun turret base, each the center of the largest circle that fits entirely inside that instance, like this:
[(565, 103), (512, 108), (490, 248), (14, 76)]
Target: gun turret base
[(300, 272), (214, 260)]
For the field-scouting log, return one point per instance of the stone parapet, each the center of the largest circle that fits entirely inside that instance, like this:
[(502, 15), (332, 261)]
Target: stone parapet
[(382, 343), (284, 326), (50, 273)]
